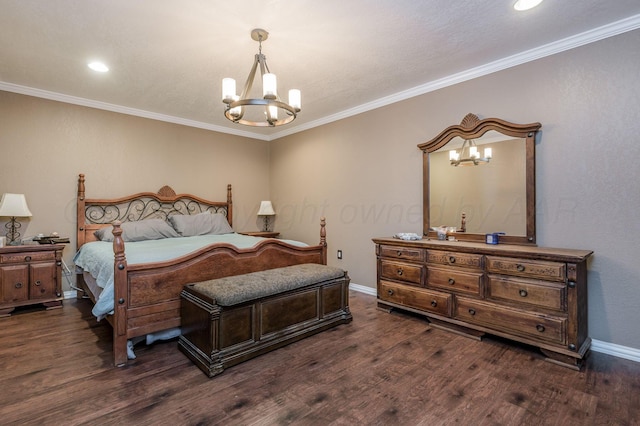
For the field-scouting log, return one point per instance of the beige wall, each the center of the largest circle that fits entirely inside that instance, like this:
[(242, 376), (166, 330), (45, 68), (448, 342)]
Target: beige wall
[(44, 145), (364, 173)]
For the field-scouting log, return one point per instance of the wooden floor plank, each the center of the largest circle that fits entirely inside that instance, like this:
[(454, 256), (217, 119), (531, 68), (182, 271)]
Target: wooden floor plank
[(382, 368)]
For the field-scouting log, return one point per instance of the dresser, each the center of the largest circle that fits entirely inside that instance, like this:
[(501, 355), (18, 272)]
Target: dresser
[(529, 294), (30, 274)]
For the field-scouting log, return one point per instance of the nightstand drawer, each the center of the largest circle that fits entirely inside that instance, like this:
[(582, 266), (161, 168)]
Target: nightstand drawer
[(452, 279), (418, 298), (529, 268), (401, 271), (27, 257), (524, 323), (544, 294), (414, 254), (451, 258)]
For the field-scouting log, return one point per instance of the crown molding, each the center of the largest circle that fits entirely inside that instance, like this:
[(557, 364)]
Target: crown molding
[(615, 28), (587, 37)]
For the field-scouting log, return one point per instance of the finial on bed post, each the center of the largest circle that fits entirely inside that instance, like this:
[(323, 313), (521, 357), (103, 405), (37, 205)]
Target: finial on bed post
[(323, 239), (81, 186), (229, 206)]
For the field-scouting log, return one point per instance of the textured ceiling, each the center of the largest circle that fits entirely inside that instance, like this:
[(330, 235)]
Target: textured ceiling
[(168, 57)]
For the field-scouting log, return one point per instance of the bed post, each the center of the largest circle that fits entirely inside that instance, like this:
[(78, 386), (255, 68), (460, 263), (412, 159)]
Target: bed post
[(323, 239), (80, 225), (229, 206), (120, 302)]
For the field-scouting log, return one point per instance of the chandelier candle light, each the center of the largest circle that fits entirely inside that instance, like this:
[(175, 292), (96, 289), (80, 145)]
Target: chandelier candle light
[(270, 103), (469, 155)]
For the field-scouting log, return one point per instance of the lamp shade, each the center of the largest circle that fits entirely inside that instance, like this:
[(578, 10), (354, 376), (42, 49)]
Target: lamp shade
[(266, 209), (14, 205)]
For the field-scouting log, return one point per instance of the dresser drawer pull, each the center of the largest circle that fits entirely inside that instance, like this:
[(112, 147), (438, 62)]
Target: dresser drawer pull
[(452, 281), (452, 259), (38, 282), (390, 292), (399, 253), (540, 328), (571, 284), (27, 258), (520, 267), (472, 311), (434, 303), (399, 271), (18, 285), (523, 293)]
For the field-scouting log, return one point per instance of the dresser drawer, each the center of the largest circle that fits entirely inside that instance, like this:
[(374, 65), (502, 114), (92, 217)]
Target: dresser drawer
[(408, 253), (524, 323), (401, 271), (453, 279), (555, 271), (543, 294), (27, 257), (417, 298), (464, 260)]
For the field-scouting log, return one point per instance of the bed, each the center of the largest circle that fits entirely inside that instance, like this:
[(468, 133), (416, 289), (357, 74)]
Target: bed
[(141, 292)]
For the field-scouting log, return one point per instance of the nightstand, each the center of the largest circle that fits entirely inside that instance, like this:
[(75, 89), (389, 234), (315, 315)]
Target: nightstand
[(265, 234), (30, 274)]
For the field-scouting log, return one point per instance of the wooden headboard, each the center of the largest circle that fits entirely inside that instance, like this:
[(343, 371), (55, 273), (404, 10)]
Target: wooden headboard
[(93, 214)]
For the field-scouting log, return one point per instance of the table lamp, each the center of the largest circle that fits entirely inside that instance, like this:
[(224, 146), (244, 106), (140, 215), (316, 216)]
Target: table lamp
[(266, 210), (13, 206)]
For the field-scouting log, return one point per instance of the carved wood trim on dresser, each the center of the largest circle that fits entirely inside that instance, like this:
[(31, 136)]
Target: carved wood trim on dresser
[(529, 294)]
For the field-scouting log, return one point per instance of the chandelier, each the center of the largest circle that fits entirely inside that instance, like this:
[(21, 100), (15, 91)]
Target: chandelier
[(259, 112), (469, 155)]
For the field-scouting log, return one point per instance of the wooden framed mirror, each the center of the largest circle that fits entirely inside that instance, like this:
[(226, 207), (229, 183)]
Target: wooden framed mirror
[(495, 194)]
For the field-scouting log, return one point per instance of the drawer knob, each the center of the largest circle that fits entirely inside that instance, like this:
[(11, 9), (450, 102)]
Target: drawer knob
[(452, 281), (523, 293), (540, 328), (400, 271), (38, 282), (399, 253), (434, 303), (472, 311), (452, 259), (571, 284), (390, 292), (18, 285), (27, 258), (520, 267), (121, 301)]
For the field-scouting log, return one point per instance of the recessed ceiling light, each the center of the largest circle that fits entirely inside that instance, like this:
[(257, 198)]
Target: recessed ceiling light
[(526, 4), (98, 66)]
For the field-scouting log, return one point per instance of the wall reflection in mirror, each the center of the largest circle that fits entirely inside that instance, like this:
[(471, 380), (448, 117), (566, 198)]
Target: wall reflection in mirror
[(491, 194)]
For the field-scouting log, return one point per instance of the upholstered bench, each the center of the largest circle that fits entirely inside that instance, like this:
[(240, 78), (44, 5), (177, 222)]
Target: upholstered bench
[(229, 320)]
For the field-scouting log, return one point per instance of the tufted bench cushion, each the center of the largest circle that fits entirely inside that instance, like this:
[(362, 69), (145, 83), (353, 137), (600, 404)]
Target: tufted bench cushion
[(238, 289), (229, 320)]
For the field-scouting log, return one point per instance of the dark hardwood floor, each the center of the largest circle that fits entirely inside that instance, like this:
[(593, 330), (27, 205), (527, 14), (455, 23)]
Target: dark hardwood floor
[(381, 369)]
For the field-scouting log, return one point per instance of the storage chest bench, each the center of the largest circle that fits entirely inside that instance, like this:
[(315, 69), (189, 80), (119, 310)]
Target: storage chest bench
[(229, 320)]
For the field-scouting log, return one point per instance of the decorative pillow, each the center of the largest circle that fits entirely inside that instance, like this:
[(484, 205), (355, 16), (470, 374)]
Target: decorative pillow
[(201, 224), (150, 229)]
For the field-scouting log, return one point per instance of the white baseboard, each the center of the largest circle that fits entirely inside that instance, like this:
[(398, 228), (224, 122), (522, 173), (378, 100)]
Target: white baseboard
[(619, 351)]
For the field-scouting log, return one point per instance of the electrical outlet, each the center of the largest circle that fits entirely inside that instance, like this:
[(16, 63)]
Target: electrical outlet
[(339, 254)]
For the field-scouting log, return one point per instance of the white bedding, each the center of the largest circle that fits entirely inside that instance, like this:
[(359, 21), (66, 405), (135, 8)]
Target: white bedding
[(96, 258)]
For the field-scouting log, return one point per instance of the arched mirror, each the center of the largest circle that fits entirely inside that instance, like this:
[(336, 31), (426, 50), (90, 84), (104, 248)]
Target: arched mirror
[(479, 178)]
